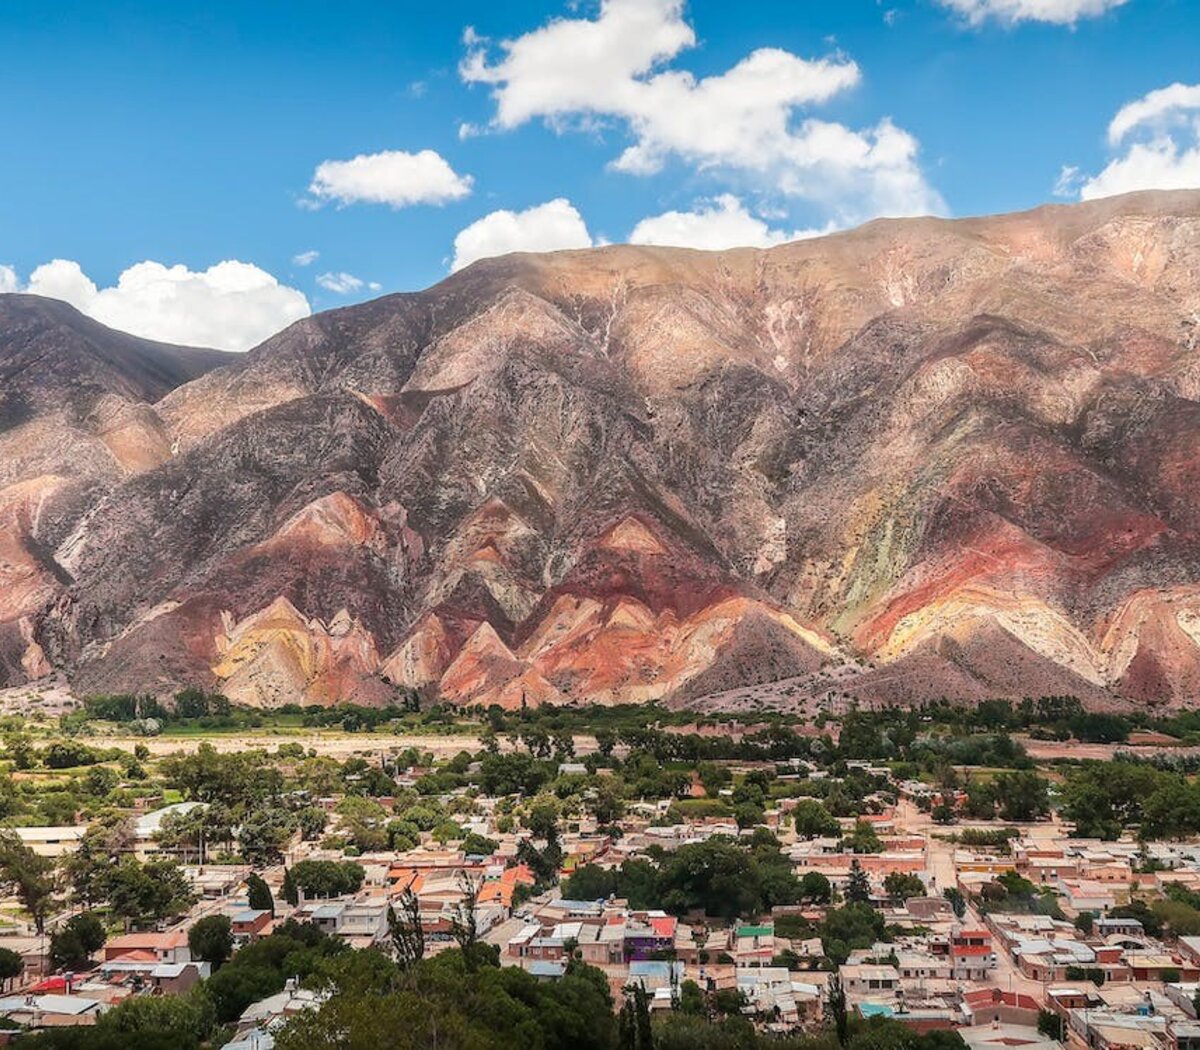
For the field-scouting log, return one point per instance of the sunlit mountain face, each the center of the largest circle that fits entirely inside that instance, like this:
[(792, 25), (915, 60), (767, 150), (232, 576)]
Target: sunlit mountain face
[(921, 459)]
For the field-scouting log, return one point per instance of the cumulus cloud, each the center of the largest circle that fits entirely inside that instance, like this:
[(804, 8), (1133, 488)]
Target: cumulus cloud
[(8, 279), (1010, 12), (1157, 139), (751, 120), (306, 258), (231, 306), (1158, 110), (723, 222), (543, 228), (394, 177)]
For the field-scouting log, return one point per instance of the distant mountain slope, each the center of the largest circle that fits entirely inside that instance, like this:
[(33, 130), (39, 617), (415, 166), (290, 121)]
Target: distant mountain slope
[(76, 397), (76, 416), (49, 351), (918, 459)]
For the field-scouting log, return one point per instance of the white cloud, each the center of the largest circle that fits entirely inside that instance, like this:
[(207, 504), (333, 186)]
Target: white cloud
[(231, 306), (750, 119), (1070, 178), (721, 223), (393, 177), (8, 279), (341, 283), (1010, 12), (1159, 165), (1159, 110), (1160, 136), (306, 258), (543, 228)]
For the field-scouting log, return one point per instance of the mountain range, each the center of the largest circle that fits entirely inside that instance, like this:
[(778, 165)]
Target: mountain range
[(924, 458)]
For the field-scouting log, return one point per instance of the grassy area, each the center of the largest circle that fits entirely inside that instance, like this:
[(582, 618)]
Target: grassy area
[(282, 723)]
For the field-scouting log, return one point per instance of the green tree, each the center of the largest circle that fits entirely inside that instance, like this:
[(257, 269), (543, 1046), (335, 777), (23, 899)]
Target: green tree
[(291, 892), (258, 894), (476, 845), (957, 902), (606, 741), (542, 821), (445, 1005), (464, 922), (813, 820), (74, 943), (69, 754), (406, 930), (326, 878), (1022, 795), (903, 885), (862, 839), (815, 887), (232, 988), (187, 1019), (858, 886), (1172, 810), (190, 834), (28, 876), (364, 821), (264, 833), (590, 882), (101, 846), (235, 778), (981, 801), (99, 781), (19, 750), (691, 999), (144, 893), (634, 1030), (538, 741), (1052, 1025), (835, 1008), (1101, 799), (717, 877), (713, 776), (11, 966), (211, 939), (312, 821), (606, 804), (852, 926)]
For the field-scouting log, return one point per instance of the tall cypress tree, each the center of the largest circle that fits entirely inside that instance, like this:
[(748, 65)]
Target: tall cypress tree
[(858, 888), (259, 894)]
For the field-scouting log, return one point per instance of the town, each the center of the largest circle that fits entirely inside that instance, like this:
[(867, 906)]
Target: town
[(891, 877)]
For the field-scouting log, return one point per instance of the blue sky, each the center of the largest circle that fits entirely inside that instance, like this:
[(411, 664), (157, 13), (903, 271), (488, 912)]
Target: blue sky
[(142, 131)]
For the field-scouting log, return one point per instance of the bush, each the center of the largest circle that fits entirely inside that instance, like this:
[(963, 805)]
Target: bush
[(68, 754)]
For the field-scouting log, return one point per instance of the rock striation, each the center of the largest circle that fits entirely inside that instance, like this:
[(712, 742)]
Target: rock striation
[(923, 458)]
